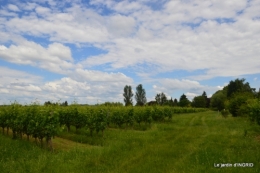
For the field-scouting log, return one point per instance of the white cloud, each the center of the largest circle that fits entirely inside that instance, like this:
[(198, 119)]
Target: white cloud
[(119, 25), (162, 38), (75, 24), (98, 76), (18, 84), (175, 84), (42, 10), (190, 96), (191, 88), (56, 58), (96, 85), (188, 10), (127, 7), (13, 76), (25, 87), (28, 6), (219, 37), (87, 90), (13, 7), (5, 91), (7, 13), (220, 87)]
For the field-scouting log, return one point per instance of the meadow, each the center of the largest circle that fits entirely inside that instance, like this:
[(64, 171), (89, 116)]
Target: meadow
[(191, 142)]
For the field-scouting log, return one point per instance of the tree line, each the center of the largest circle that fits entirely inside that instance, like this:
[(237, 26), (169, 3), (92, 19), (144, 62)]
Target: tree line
[(236, 98), (233, 97), (161, 99)]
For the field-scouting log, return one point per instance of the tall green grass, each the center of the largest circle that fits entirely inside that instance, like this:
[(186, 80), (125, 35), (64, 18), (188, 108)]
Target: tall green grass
[(187, 143)]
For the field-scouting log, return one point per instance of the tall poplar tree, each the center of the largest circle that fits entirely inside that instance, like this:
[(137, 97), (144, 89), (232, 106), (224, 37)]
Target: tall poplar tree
[(128, 94), (140, 95)]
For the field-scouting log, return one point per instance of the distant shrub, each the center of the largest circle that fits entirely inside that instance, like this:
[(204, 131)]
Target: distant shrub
[(254, 107), (238, 104), (225, 113)]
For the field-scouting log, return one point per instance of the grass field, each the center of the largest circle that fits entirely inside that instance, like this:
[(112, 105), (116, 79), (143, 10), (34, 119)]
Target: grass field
[(190, 143)]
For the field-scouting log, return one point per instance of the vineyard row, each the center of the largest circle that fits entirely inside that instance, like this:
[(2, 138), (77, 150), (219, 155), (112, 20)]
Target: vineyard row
[(46, 121)]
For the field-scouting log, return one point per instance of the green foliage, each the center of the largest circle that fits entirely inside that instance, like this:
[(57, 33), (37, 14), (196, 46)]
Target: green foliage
[(101, 121), (91, 120), (78, 118), (36, 121), (161, 99), (47, 121), (117, 118), (254, 110), (65, 117), (138, 115), (152, 103), (168, 112), (64, 103), (175, 102), (184, 101), (237, 86), (129, 116), (208, 139), (4, 119), (258, 94), (147, 117), (128, 94), (218, 99), (199, 102), (204, 94), (170, 102), (140, 95), (238, 104), (109, 104), (158, 114), (225, 113), (49, 103)]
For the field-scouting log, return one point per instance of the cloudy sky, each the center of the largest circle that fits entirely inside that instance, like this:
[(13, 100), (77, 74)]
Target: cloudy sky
[(88, 51)]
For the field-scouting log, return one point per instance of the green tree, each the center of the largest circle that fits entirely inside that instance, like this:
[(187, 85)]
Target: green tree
[(175, 102), (254, 108), (110, 104), (140, 95), (258, 94), (64, 103), (218, 99), (204, 95), (238, 85), (161, 98), (170, 102), (238, 103), (199, 102), (184, 101), (128, 94)]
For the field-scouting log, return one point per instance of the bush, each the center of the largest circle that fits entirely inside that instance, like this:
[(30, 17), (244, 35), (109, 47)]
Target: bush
[(238, 104), (254, 111), (225, 113)]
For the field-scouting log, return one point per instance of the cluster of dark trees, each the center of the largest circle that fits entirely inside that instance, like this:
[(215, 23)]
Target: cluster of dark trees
[(140, 95), (198, 101), (231, 97), (52, 103), (161, 99), (201, 101), (235, 97), (116, 104)]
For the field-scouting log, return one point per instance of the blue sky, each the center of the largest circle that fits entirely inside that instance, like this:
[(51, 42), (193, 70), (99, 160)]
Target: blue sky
[(89, 50)]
